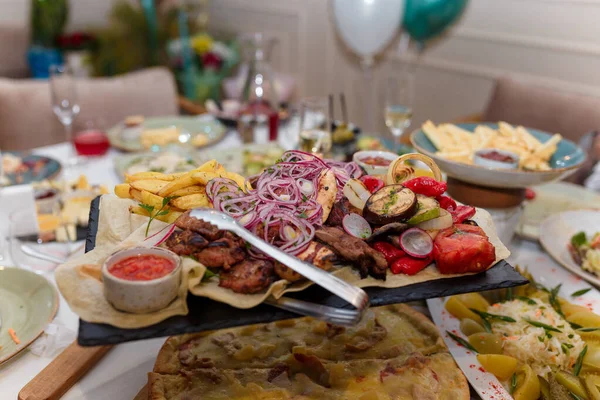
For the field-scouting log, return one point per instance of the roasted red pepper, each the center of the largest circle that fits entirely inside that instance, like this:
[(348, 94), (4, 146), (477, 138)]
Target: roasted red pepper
[(426, 186), (409, 265), (446, 203), (373, 184), (388, 250), (462, 213)]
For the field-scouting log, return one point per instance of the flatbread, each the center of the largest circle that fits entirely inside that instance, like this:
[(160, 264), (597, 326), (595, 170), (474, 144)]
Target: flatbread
[(118, 228), (395, 352)]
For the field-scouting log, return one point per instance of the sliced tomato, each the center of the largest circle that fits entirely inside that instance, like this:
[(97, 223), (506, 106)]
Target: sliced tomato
[(463, 248)]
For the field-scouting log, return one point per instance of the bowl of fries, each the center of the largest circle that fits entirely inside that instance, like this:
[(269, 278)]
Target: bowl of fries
[(542, 157)]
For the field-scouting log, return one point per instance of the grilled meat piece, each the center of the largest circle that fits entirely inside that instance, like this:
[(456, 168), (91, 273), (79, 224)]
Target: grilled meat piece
[(185, 243), (223, 252), (316, 253), (249, 276), (340, 209), (209, 231), (355, 250)]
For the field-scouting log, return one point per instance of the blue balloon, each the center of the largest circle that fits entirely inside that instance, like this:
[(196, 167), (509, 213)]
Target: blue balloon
[(427, 19)]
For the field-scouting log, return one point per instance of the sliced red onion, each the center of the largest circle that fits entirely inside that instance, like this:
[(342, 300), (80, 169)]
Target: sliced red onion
[(416, 243), (159, 237), (357, 226), (305, 186)]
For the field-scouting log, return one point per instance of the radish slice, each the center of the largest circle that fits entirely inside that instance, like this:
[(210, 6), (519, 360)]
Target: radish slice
[(416, 243), (357, 226), (442, 222)]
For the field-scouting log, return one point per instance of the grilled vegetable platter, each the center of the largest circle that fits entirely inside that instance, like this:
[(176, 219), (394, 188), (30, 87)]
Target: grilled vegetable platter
[(372, 231)]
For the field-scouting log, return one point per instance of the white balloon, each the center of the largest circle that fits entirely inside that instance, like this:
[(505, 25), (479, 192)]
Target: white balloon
[(367, 26)]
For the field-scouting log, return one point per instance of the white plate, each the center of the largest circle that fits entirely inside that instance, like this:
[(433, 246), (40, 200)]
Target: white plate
[(556, 232), (554, 198), (545, 271)]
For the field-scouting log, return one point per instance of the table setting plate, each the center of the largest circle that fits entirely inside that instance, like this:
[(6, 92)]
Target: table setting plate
[(28, 302), (556, 232), (206, 314), (545, 272), (567, 158), (35, 168), (553, 198), (213, 129)]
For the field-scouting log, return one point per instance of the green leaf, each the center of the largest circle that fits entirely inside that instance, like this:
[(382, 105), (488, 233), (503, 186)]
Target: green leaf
[(579, 362), (541, 325), (564, 348), (513, 383), (462, 342), (574, 325), (580, 292), (208, 274), (486, 325), (554, 301), (302, 215), (588, 329), (147, 207), (486, 315), (575, 397), (579, 239), (526, 300)]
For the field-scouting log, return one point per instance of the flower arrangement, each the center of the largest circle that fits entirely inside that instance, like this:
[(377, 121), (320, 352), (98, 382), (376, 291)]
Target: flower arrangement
[(211, 61)]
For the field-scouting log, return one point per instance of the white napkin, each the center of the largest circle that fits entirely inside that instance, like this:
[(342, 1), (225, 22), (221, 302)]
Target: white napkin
[(17, 198), (56, 338)]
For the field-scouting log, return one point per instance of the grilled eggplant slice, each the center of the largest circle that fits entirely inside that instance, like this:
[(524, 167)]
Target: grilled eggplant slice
[(393, 203)]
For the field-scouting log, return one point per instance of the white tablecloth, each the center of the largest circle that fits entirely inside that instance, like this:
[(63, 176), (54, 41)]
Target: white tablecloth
[(122, 372)]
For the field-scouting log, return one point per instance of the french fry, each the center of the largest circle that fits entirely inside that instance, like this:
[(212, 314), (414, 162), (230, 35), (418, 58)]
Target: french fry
[(138, 210), (189, 190), (205, 177), (191, 201), (148, 175), (135, 194), (240, 180), (122, 190), (548, 148), (178, 184), (150, 185), (434, 135), (151, 199), (170, 217), (209, 166)]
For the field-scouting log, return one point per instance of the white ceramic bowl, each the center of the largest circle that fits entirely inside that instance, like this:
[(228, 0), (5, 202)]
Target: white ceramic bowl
[(478, 159), (141, 296), (374, 169)]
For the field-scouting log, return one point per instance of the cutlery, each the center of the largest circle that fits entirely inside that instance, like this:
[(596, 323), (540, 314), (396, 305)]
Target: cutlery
[(350, 293), (31, 252)]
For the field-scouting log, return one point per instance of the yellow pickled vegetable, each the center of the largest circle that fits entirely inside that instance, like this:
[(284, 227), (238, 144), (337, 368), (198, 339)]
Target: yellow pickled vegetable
[(474, 300), (498, 364), (586, 319), (486, 343), (457, 308), (544, 388), (569, 309), (528, 384), (592, 382), (592, 356), (572, 383), (469, 327)]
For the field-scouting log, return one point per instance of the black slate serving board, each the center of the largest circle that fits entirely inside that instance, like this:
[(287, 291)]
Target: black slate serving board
[(206, 314)]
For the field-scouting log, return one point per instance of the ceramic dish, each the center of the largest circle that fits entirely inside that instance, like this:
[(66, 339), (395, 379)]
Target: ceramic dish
[(213, 129), (374, 169), (556, 232), (553, 198), (567, 158), (141, 296), (34, 168), (28, 302), (544, 271), (123, 162)]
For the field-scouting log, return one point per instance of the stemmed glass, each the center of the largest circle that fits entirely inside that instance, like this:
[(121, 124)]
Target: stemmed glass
[(315, 126), (64, 101), (399, 92)]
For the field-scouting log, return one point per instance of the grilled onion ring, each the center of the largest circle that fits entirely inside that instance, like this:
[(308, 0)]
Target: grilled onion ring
[(399, 172)]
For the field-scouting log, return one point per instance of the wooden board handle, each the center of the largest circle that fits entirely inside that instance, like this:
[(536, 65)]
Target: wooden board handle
[(63, 372)]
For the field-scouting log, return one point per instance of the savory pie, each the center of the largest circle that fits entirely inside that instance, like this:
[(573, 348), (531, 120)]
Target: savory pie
[(394, 353)]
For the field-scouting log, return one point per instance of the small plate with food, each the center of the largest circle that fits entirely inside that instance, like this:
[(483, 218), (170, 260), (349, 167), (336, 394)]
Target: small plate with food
[(537, 341), (172, 160), (22, 169), (498, 155), (144, 134), (572, 238)]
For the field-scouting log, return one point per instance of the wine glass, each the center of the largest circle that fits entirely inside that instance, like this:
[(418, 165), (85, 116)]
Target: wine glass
[(64, 101), (399, 91), (315, 126)]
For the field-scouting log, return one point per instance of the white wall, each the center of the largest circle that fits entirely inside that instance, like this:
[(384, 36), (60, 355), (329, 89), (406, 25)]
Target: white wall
[(552, 42)]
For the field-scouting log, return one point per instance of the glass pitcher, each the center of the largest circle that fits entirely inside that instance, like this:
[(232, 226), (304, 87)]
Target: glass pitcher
[(259, 118)]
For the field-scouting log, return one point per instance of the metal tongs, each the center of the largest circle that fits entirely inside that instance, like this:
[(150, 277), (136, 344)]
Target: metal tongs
[(350, 293)]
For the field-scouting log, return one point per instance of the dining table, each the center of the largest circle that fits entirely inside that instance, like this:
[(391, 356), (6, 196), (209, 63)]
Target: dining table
[(122, 372)]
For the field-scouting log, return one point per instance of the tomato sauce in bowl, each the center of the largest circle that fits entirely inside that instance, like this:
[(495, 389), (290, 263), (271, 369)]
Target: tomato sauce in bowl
[(377, 161), (143, 267)]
